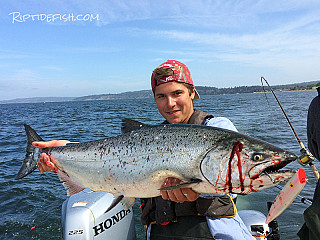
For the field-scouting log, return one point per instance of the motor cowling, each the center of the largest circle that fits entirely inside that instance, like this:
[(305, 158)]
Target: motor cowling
[(84, 216), (255, 222)]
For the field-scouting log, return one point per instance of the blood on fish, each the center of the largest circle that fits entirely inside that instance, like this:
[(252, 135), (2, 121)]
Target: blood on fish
[(237, 148)]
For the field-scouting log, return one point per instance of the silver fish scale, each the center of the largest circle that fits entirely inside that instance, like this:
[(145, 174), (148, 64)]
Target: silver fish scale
[(137, 163), (132, 162)]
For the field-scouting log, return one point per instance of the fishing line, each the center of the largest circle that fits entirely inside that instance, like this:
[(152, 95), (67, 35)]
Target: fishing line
[(286, 116), (306, 157), (265, 92)]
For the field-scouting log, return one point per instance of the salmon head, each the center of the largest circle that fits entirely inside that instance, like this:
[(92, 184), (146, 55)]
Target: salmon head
[(241, 164)]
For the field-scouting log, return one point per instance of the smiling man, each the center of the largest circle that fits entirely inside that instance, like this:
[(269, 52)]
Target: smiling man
[(183, 213)]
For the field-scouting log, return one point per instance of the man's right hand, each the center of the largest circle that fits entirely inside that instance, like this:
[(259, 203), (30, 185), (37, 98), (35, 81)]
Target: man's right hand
[(179, 195), (46, 162)]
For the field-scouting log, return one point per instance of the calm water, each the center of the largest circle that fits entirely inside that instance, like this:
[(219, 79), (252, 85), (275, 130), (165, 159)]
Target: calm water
[(31, 208)]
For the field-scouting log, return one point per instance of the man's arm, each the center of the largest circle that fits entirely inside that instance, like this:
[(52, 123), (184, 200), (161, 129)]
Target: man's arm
[(221, 122), (46, 162), (178, 195)]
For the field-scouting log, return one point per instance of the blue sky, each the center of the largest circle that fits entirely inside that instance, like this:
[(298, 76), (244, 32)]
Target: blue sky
[(224, 44)]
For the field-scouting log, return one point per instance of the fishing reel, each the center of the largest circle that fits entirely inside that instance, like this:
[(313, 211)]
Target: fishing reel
[(306, 157)]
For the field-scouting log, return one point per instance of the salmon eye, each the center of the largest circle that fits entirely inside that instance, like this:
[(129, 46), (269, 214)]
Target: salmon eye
[(257, 157)]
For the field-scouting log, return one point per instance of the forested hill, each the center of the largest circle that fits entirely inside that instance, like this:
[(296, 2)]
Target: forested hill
[(203, 90)]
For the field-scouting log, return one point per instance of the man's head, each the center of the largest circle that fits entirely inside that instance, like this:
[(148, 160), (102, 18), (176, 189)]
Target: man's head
[(172, 71), (174, 91)]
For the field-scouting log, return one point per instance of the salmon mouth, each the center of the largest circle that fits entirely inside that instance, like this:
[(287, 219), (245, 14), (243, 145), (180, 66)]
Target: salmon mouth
[(288, 158), (272, 173), (275, 169)]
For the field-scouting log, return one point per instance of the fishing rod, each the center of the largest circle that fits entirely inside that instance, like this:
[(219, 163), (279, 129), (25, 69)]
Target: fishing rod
[(306, 157)]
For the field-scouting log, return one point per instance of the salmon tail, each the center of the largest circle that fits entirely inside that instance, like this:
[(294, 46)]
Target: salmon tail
[(30, 162)]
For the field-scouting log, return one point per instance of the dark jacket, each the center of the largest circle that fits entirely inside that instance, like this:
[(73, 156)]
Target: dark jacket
[(313, 126), (161, 211), (311, 229)]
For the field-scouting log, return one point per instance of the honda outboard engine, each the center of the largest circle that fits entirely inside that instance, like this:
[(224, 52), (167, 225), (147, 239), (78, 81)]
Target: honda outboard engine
[(84, 216), (255, 222)]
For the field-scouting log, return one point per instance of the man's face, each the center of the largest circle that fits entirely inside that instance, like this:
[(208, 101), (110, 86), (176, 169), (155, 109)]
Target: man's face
[(174, 102)]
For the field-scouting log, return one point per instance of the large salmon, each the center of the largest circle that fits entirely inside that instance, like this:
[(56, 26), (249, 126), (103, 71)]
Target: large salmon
[(136, 163)]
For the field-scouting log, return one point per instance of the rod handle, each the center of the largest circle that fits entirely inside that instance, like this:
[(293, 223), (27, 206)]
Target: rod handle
[(314, 170)]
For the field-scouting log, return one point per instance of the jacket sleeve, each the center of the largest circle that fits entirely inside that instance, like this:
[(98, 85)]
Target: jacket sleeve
[(221, 122), (311, 228), (313, 127)]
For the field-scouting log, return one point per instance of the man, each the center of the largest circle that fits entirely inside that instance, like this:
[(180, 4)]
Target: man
[(174, 94), (181, 213), (311, 229)]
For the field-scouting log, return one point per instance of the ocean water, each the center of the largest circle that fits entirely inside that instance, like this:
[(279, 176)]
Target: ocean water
[(31, 208)]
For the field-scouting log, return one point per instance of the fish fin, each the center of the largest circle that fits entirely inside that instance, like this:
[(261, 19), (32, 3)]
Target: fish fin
[(182, 185), (114, 203), (126, 202), (30, 162), (128, 125), (71, 186)]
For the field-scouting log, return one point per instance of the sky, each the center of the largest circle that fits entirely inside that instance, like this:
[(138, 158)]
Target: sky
[(71, 48)]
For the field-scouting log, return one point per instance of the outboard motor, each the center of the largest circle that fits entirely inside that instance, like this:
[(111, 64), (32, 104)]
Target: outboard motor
[(255, 222), (84, 216)]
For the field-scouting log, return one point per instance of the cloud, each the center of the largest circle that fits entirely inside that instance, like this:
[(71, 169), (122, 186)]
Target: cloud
[(52, 68), (30, 83), (88, 49), (110, 11), (294, 42), (281, 36), (11, 54), (20, 82), (201, 14)]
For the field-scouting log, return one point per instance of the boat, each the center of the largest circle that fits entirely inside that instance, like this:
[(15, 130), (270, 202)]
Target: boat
[(85, 215)]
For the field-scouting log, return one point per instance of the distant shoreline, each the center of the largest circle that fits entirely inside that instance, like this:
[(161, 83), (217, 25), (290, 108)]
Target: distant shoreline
[(297, 90), (203, 90)]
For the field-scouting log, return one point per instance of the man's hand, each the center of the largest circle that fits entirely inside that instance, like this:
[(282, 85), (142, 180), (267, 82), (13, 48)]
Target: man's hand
[(46, 162), (178, 195)]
